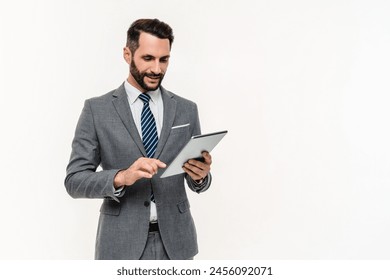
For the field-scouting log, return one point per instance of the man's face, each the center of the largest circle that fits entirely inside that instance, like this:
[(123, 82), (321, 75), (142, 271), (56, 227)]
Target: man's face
[(149, 62)]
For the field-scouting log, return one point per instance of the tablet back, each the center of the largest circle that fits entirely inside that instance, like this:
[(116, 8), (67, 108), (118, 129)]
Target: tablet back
[(193, 150)]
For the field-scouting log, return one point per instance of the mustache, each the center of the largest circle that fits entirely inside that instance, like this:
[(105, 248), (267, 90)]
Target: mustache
[(154, 76)]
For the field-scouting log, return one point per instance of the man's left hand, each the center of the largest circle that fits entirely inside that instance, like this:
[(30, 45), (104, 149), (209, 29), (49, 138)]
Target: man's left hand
[(198, 170)]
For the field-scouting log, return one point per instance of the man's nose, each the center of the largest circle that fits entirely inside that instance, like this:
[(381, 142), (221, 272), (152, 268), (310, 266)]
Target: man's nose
[(156, 68)]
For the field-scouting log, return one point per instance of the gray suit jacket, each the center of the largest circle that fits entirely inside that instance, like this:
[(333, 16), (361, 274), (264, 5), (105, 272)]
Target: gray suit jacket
[(106, 135)]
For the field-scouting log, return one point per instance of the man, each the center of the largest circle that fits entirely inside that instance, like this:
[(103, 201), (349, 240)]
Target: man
[(132, 132)]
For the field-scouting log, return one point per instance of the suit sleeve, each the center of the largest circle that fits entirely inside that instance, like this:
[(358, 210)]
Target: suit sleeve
[(205, 184), (82, 180)]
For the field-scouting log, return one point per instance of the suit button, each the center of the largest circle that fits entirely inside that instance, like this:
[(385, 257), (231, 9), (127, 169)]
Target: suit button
[(146, 203)]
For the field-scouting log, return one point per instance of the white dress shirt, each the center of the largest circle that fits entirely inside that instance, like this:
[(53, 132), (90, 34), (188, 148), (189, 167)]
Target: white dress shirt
[(157, 109), (136, 105)]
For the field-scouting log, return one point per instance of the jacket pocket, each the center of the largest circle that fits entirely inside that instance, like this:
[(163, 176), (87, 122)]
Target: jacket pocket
[(180, 126), (183, 206), (110, 207), (178, 129)]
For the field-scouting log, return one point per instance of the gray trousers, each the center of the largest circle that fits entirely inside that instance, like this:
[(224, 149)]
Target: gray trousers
[(154, 249)]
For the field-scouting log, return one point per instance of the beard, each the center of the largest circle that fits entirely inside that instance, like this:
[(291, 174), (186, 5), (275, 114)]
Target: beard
[(139, 77)]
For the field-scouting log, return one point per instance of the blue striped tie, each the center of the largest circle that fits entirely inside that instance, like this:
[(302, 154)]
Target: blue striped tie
[(148, 127), (149, 130)]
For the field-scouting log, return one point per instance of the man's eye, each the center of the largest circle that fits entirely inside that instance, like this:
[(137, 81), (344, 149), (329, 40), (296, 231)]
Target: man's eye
[(147, 58)]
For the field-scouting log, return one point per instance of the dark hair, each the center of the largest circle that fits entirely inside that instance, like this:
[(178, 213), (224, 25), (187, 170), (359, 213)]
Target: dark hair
[(152, 26)]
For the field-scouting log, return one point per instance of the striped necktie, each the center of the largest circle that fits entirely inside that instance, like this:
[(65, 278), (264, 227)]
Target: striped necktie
[(148, 127), (149, 130)]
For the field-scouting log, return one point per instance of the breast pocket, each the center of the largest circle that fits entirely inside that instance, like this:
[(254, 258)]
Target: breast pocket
[(181, 128)]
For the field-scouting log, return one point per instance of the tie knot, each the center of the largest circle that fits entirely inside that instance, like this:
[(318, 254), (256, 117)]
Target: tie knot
[(144, 97)]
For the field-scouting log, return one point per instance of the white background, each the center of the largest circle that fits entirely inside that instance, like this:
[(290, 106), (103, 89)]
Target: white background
[(302, 87)]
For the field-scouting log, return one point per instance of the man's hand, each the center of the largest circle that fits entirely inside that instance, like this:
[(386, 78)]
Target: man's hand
[(141, 168), (196, 169)]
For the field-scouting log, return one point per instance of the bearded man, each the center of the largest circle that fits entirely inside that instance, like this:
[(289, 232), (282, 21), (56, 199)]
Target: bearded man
[(132, 132)]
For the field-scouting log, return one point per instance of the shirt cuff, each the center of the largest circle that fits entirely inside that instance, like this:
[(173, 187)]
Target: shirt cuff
[(118, 191)]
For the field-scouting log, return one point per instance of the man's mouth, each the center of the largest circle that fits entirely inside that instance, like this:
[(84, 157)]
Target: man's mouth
[(154, 77)]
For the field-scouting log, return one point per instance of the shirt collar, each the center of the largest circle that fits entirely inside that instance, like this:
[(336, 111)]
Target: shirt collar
[(133, 93)]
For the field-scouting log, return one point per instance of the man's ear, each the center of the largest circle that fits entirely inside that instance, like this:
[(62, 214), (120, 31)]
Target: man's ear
[(127, 55)]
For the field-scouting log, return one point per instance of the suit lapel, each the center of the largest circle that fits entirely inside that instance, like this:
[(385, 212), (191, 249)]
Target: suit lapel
[(122, 107), (169, 104)]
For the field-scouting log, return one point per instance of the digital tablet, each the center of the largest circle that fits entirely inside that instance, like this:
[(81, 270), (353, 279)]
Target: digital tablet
[(193, 150)]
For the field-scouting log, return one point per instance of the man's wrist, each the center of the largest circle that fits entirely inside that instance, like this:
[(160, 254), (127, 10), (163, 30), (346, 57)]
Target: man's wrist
[(200, 181), (119, 179)]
